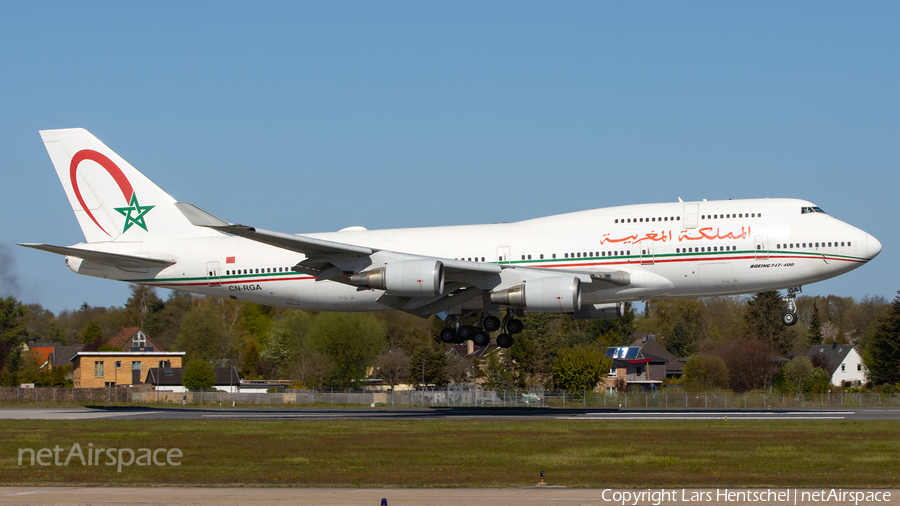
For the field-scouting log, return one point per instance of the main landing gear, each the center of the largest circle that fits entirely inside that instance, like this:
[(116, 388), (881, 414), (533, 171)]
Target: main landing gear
[(790, 316), (480, 334)]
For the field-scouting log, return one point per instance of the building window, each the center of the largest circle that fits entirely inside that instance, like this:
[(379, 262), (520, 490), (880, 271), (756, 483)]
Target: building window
[(135, 366), (98, 369), (118, 364), (165, 364), (140, 339), (109, 384), (843, 368), (859, 367)]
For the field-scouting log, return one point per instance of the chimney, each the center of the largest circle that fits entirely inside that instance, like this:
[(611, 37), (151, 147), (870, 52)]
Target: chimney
[(833, 344)]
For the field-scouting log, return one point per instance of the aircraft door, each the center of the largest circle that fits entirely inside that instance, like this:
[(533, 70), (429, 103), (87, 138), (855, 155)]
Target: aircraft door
[(691, 212), (647, 253), (213, 276), (762, 247), (503, 253)]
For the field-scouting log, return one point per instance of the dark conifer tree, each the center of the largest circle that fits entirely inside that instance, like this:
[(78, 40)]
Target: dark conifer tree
[(883, 352)]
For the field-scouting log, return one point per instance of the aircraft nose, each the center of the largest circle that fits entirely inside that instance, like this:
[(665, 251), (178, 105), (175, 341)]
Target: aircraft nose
[(873, 246)]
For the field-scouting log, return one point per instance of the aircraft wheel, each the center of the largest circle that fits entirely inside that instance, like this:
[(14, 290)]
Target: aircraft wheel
[(481, 338), (465, 332), (504, 340), (448, 335), (789, 318), (515, 326), (491, 323)]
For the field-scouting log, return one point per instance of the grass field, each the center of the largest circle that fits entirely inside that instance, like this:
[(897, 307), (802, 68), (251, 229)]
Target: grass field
[(479, 453)]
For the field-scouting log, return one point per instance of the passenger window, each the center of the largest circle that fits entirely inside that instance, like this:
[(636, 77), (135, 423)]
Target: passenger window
[(603, 254), (567, 255), (617, 221), (654, 219), (554, 255), (579, 255), (848, 243), (542, 256), (529, 257)]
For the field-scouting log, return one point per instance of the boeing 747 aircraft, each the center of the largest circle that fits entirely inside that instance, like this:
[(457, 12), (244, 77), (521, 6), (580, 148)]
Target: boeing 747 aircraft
[(585, 263)]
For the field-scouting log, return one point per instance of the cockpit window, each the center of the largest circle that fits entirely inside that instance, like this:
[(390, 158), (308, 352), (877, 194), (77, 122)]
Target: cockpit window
[(807, 210)]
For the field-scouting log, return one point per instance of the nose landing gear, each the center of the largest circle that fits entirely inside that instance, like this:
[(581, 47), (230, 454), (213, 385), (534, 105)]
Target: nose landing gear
[(790, 316)]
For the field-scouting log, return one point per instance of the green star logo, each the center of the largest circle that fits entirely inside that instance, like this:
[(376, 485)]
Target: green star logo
[(134, 207)]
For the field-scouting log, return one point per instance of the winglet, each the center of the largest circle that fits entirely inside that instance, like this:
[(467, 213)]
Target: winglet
[(198, 217)]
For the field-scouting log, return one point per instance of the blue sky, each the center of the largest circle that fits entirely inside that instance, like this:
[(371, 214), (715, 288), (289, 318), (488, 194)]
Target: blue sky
[(310, 117)]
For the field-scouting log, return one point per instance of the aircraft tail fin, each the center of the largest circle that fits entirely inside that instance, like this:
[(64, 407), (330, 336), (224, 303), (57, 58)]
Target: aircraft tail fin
[(112, 200)]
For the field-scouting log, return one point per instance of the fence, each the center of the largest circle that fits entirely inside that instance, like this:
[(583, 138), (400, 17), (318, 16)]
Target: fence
[(456, 396)]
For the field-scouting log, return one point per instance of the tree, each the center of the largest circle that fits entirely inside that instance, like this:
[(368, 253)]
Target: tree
[(392, 366), (580, 368), (497, 375), (350, 341), (458, 369), (251, 360), (799, 376), (432, 360), (882, 355), (203, 336), (764, 321), (679, 321), (814, 336), (139, 307), (199, 374), (13, 320), (749, 363), (705, 372), (92, 336)]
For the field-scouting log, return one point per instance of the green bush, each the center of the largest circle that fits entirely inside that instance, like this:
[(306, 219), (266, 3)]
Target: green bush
[(705, 372), (199, 374)]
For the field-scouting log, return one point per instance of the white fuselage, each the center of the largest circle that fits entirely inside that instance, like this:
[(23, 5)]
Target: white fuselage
[(670, 250)]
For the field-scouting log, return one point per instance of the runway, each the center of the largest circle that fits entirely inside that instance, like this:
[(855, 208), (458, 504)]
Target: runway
[(138, 413)]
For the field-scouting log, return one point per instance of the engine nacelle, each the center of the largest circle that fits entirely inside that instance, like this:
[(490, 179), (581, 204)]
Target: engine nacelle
[(543, 295), (601, 311), (411, 278)]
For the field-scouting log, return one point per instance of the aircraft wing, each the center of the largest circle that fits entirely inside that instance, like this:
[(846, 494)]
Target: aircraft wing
[(113, 259), (309, 246), (334, 261)]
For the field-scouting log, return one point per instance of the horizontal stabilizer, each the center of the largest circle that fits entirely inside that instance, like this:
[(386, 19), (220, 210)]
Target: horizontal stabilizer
[(113, 259)]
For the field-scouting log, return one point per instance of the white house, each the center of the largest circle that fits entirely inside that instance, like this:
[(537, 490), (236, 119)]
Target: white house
[(843, 361)]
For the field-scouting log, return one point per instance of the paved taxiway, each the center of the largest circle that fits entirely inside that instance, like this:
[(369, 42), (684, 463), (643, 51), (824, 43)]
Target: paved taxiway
[(523, 496), (129, 413)]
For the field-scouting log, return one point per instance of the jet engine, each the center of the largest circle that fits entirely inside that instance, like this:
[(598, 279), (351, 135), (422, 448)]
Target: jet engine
[(410, 278), (601, 311), (543, 295)]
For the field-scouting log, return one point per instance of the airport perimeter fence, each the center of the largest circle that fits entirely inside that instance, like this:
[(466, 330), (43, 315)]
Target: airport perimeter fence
[(452, 396)]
